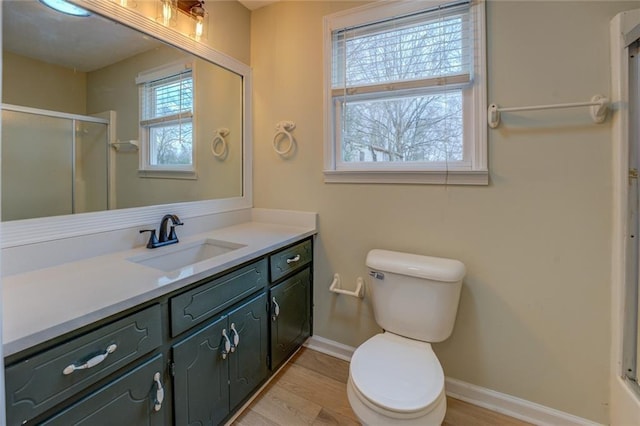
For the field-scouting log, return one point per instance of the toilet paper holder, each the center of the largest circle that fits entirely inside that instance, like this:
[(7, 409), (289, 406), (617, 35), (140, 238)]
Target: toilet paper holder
[(336, 287)]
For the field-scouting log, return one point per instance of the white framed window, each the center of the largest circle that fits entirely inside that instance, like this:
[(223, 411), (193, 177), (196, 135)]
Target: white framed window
[(405, 96), (167, 147)]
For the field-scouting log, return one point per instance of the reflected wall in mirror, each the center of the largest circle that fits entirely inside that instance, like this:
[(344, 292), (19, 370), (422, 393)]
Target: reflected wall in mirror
[(71, 118)]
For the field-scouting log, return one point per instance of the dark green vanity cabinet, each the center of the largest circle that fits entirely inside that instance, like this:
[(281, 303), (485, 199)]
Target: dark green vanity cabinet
[(190, 357), (290, 300), (290, 316), (133, 399), (218, 366), (38, 383)]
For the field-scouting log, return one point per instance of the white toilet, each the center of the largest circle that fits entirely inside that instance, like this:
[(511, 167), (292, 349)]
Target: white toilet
[(394, 377)]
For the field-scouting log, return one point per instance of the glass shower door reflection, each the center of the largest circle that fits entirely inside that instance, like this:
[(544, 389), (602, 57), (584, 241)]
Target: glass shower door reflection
[(37, 167), (53, 164)]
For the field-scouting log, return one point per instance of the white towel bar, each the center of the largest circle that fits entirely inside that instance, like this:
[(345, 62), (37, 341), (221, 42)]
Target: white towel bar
[(599, 107)]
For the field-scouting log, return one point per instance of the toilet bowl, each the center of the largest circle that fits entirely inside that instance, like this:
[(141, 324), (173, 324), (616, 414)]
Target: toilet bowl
[(407, 386), (395, 377)]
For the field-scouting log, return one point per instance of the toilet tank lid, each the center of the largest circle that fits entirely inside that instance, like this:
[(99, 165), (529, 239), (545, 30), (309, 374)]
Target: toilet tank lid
[(414, 265)]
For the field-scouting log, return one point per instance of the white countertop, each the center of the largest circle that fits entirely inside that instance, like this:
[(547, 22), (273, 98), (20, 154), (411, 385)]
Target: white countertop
[(46, 303)]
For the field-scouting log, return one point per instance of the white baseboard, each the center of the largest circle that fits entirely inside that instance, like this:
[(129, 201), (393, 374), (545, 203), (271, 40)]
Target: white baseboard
[(330, 347), (476, 395)]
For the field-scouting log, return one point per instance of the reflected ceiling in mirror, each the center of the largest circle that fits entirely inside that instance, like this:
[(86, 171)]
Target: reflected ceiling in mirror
[(73, 136)]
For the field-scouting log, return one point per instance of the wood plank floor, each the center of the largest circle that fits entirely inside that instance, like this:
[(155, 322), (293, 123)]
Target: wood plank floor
[(311, 390)]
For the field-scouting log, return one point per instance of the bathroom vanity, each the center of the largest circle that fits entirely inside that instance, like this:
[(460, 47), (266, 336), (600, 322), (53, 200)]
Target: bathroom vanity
[(181, 350)]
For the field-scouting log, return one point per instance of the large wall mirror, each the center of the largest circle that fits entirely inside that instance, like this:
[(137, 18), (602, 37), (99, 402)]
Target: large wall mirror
[(97, 116)]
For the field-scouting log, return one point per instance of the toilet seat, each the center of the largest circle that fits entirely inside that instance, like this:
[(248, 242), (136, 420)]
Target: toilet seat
[(397, 376)]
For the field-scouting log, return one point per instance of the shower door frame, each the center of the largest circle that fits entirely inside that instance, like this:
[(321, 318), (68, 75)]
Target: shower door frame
[(624, 399)]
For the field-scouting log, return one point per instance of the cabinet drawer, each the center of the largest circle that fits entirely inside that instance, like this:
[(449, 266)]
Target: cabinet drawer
[(203, 302), (38, 383), (289, 260), (129, 400)]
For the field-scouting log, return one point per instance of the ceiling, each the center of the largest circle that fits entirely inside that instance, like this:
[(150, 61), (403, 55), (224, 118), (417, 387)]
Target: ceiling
[(82, 43), (256, 4)]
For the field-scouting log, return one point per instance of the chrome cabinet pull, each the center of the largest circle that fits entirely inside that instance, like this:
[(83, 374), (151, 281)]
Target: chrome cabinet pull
[(227, 344), (157, 405), (276, 309), (293, 259), (91, 362), (235, 336)]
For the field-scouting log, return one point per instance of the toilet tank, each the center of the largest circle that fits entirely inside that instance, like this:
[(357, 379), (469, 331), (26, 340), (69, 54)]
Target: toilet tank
[(414, 296)]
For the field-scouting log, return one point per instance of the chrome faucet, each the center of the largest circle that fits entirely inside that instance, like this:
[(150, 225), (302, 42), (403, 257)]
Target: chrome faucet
[(163, 239)]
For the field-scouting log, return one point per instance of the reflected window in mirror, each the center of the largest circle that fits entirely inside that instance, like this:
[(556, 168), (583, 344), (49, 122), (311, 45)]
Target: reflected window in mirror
[(166, 119)]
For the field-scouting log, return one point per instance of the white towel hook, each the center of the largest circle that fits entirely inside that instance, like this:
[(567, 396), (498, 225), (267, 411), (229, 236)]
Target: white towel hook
[(336, 287), (284, 128), (219, 139)]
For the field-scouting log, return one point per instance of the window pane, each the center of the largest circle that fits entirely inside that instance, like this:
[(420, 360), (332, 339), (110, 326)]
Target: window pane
[(173, 98), (398, 51), (171, 144), (424, 128), (168, 96)]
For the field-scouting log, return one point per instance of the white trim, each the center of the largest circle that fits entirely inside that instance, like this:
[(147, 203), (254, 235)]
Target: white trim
[(510, 405), (21, 232), (54, 114), (330, 347), (476, 395), (625, 405), (451, 177), (164, 71)]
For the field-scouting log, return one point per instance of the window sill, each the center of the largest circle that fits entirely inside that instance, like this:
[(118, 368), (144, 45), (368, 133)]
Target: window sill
[(168, 174), (435, 177)]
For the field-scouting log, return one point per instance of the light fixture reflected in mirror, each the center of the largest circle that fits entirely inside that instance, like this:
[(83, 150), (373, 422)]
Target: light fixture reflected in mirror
[(127, 3), (198, 15), (167, 13)]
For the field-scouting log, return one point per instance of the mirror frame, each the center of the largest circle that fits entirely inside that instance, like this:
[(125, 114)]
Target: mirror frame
[(29, 231)]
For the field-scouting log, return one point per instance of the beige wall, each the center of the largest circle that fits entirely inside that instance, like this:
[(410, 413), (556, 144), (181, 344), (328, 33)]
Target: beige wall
[(37, 84), (534, 314), (229, 26)]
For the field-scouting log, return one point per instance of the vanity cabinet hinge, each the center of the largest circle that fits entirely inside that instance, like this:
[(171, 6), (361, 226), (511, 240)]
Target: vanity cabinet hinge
[(633, 173), (268, 360), (172, 368)]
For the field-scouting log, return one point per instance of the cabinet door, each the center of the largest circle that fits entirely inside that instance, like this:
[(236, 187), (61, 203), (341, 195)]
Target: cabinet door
[(129, 400), (201, 380), (290, 315), (248, 363)]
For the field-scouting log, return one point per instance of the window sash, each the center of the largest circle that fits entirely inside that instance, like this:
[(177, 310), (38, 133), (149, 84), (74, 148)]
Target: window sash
[(164, 103), (174, 101), (467, 129), (386, 38)]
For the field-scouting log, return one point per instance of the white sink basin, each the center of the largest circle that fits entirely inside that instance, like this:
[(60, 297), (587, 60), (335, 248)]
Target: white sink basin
[(180, 255)]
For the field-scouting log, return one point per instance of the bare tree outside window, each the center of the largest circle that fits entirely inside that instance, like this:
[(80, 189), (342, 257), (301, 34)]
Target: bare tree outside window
[(414, 125), (171, 143), (167, 119)]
